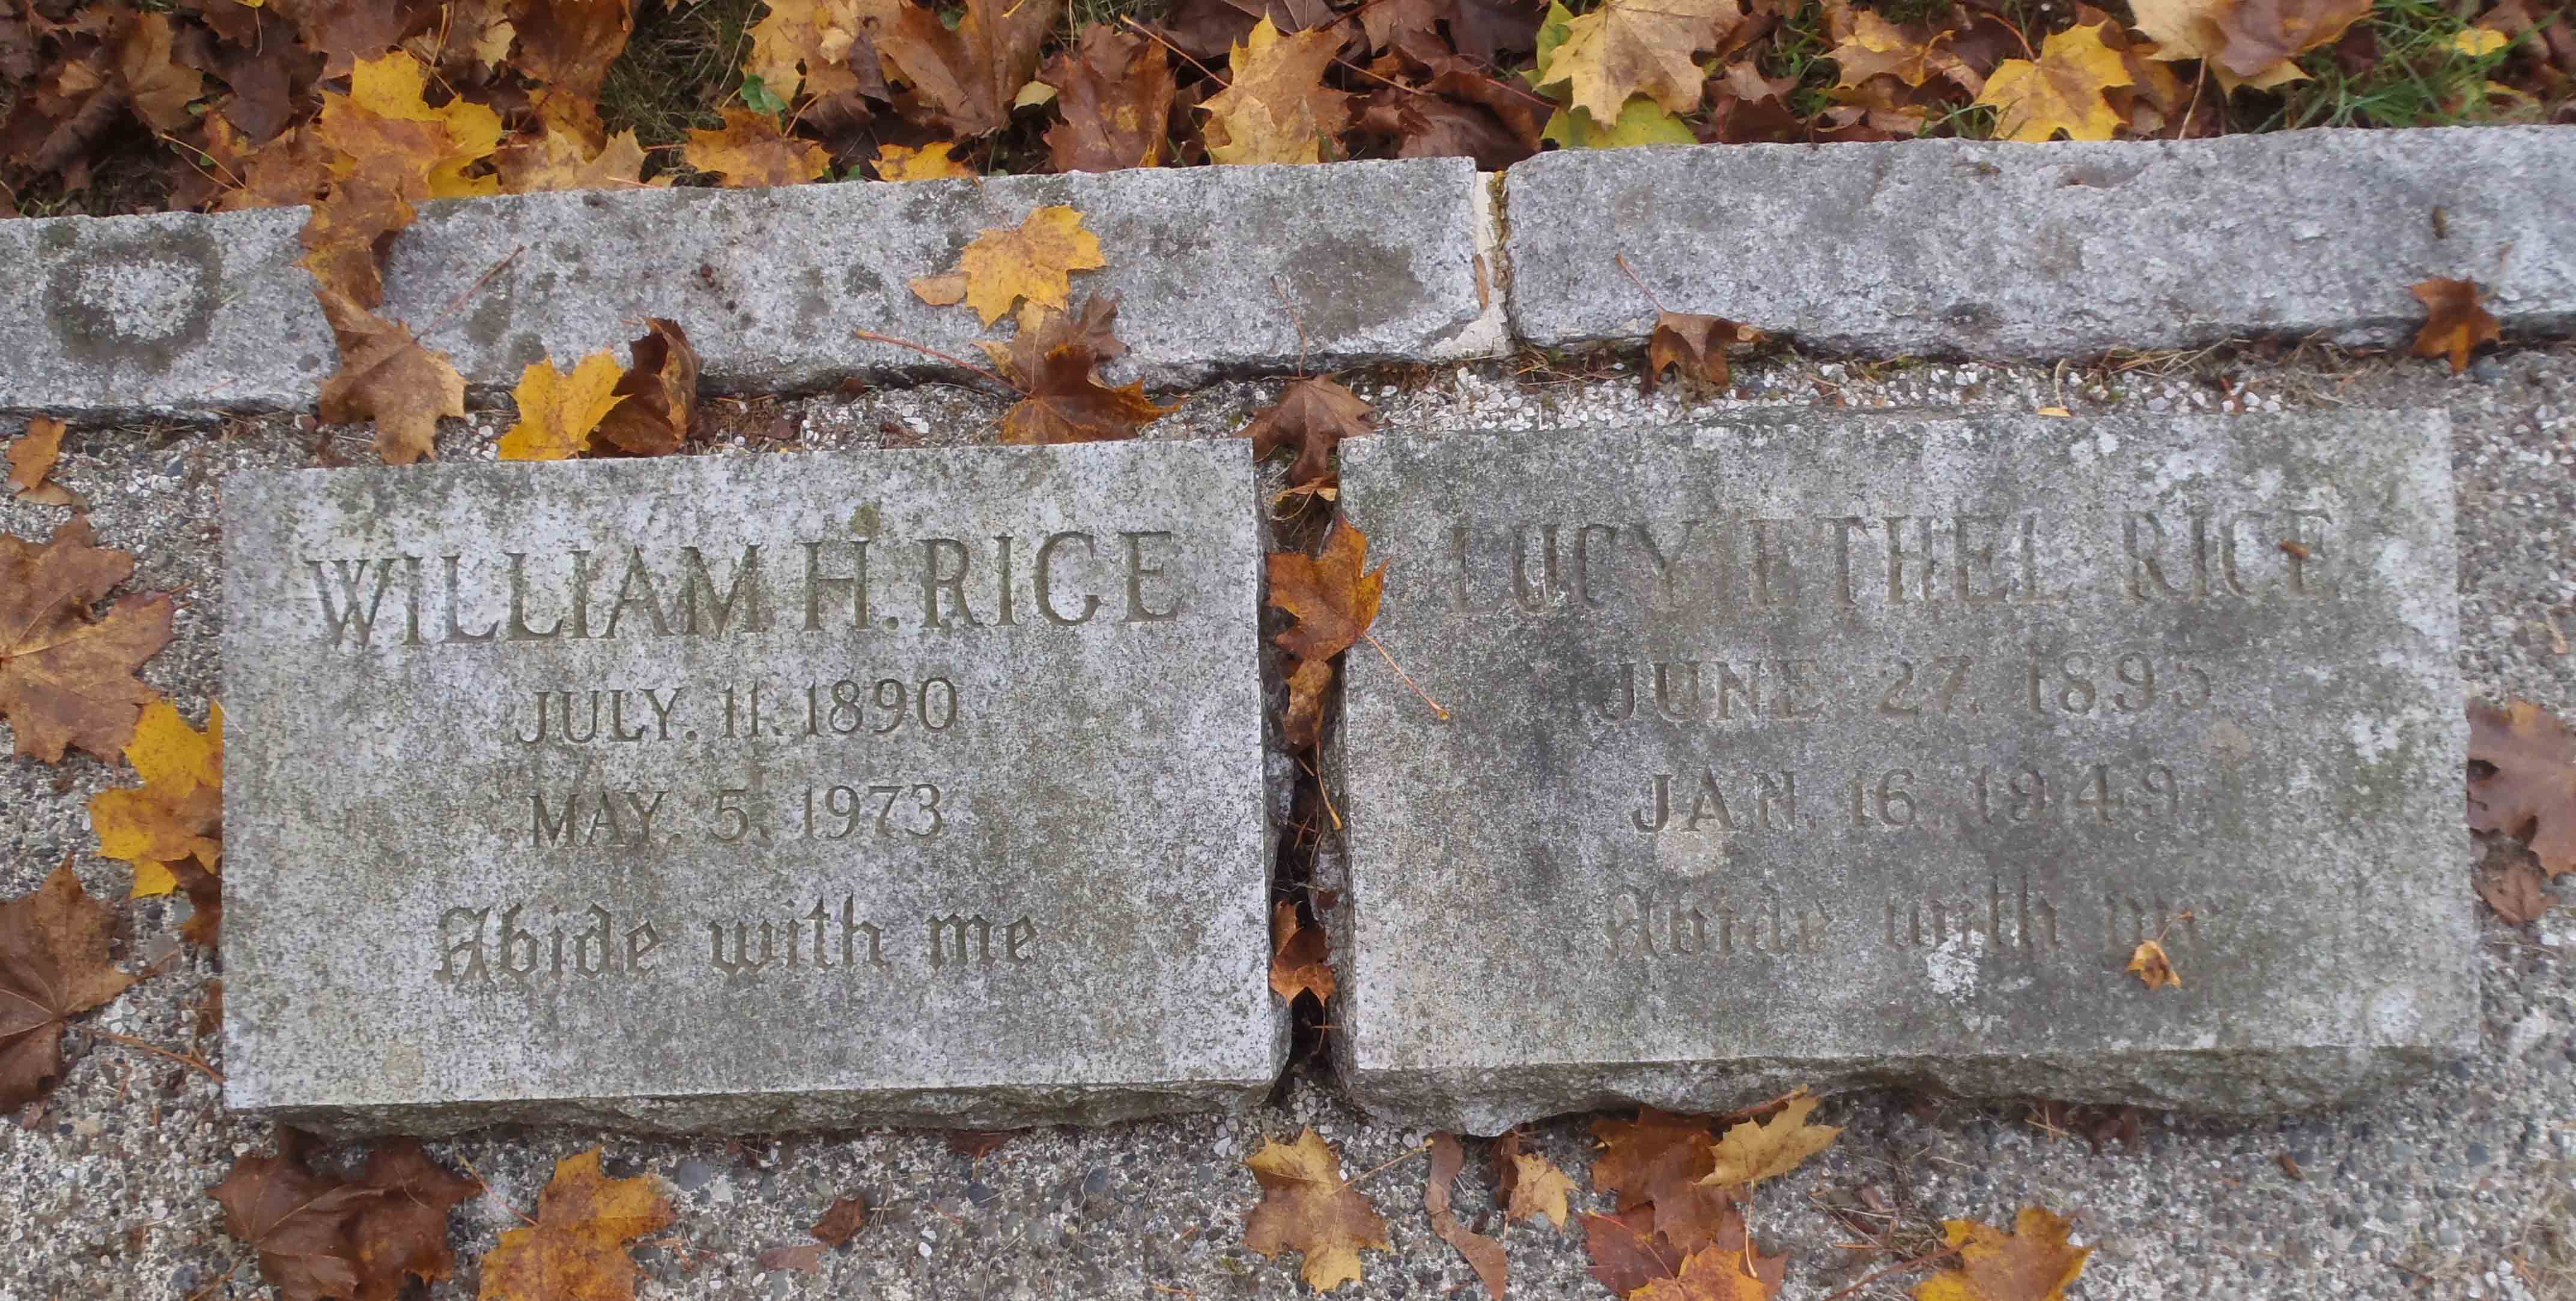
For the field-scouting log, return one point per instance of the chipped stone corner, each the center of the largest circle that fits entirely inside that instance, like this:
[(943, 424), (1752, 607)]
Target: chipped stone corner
[(1490, 334)]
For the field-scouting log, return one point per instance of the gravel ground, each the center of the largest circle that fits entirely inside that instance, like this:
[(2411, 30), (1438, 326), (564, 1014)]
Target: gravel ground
[(2457, 1186)]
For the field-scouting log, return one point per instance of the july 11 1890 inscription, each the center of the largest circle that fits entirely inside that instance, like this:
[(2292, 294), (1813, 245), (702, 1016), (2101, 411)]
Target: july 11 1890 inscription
[(1815, 751), (747, 792)]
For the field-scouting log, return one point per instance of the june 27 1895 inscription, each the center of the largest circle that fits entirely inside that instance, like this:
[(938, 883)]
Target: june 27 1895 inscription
[(1828, 750), (747, 792)]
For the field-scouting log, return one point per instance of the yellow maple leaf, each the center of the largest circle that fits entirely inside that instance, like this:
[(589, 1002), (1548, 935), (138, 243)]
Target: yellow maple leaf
[(557, 411), (750, 150), (1278, 109), (395, 86), (1308, 1207), (177, 812), (931, 162), (577, 1249), (1034, 260), (2061, 92), (799, 40), (1879, 48), (2479, 42), (1637, 47), (557, 159), (1757, 1150), (2032, 1263), (2153, 966), (2189, 29)]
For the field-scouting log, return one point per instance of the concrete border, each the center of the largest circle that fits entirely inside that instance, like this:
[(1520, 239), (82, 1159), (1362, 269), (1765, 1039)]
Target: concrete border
[(1944, 247)]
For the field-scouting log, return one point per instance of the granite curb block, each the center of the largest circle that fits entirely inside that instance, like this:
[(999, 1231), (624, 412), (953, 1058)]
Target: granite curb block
[(1991, 249), (1216, 269)]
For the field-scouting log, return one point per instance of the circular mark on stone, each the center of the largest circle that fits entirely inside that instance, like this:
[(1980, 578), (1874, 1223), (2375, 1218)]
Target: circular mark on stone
[(890, 621), (136, 300), (403, 1065), (693, 734)]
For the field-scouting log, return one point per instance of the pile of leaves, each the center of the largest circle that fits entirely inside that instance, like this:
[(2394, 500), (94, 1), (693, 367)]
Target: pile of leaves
[(222, 104)]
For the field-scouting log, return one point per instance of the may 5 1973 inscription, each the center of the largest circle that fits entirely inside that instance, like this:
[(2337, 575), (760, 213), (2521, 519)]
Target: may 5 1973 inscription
[(1826, 751), (747, 792)]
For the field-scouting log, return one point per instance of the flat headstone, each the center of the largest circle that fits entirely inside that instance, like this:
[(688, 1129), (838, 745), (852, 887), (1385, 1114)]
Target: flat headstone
[(1831, 751), (747, 792)]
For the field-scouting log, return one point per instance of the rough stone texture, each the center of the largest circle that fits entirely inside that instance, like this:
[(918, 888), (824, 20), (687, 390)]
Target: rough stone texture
[(1082, 771), (128, 315), (1959, 247), (1639, 841), (1215, 267)]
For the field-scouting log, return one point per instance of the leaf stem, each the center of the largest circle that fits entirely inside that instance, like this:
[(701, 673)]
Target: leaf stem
[(1622, 260), (1408, 678), (156, 1050), (960, 362)]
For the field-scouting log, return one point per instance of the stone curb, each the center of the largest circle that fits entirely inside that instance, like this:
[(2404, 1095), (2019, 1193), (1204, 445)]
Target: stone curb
[(1980, 248), (1930, 246)]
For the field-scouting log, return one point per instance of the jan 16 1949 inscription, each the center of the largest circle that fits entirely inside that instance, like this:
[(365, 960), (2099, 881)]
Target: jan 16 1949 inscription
[(747, 792), (1831, 750)]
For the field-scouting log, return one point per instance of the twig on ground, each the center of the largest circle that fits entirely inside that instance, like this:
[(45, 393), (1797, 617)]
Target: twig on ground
[(953, 360), (1436, 706), (142, 1045)]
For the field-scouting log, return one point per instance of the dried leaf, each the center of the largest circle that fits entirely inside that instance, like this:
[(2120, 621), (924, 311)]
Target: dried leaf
[(1314, 415), (2262, 34), (1651, 1157), (931, 162), (1879, 48), (1530, 1185), (976, 1144), (1004, 264), (1306, 1206), (842, 1222), (568, 46), (2530, 791), (1697, 344), (1635, 47), (2455, 322), (799, 39), (1711, 1274), (751, 151), (1114, 90), (178, 812), (1762, 1149), (2518, 894), (401, 1234), (556, 159), (659, 393), (1334, 597), (966, 77), (54, 963), (1484, 1254), (802, 1257), (1043, 329), (2061, 92), (577, 1249), (1277, 108), (67, 675), (298, 1221), (387, 376), (394, 88), (1299, 960), (1625, 1251), (557, 412), (31, 462), (159, 88), (2032, 1263), (1067, 403), (2153, 966)]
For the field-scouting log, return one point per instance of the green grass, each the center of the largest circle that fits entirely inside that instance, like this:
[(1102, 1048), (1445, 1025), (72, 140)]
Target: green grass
[(682, 63), (1799, 49), (2421, 79)]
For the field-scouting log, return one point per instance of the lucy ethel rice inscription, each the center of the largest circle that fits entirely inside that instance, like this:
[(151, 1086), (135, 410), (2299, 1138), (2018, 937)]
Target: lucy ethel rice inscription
[(746, 793), (1808, 751)]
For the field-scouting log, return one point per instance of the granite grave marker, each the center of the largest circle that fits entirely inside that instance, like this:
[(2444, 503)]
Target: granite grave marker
[(1832, 750), (747, 792)]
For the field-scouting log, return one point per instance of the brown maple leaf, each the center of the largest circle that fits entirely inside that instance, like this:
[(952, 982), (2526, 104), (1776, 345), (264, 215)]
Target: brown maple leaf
[(557, 159), (2518, 894), (1659, 1164), (66, 672), (1299, 961), (1334, 598), (1114, 90), (1762, 1149), (1626, 1252), (1043, 329), (842, 1222), (54, 964), (31, 464), (658, 393), (2153, 966), (1697, 344), (1307, 1207), (966, 78), (577, 1249), (2455, 322), (1528, 1184), (318, 1236), (205, 892), (977, 1144), (2525, 785), (2032, 1263), (2261, 34), (389, 377), (1484, 1254), (751, 151), (1314, 415), (1067, 403), (401, 1234), (569, 45), (1713, 1274)]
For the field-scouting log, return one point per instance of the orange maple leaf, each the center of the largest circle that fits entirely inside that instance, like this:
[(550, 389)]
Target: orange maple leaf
[(1334, 598), (2032, 1263), (1299, 962), (577, 1249), (2455, 322), (1306, 1206)]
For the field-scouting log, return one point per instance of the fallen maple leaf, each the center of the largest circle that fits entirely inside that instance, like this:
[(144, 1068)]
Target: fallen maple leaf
[(1277, 109), (389, 377), (802, 41), (2263, 34), (842, 1222), (557, 412), (1043, 329), (1626, 1252), (1034, 260), (1483, 1254), (31, 463), (67, 676), (1879, 48), (1697, 344), (402, 1234), (2153, 966), (1067, 403), (1529, 1185), (556, 159), (1634, 47), (1711, 1274), (318, 1236), (659, 393), (977, 1144), (1334, 602), (1299, 963), (931, 162), (967, 77), (1306, 1206), (1762, 1149), (2518, 894), (750, 151), (2455, 322), (53, 964), (394, 87), (178, 811), (1315, 415), (2529, 788), (568, 46), (2063, 91), (1114, 90), (2032, 1263), (1650, 1157), (577, 1249)]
